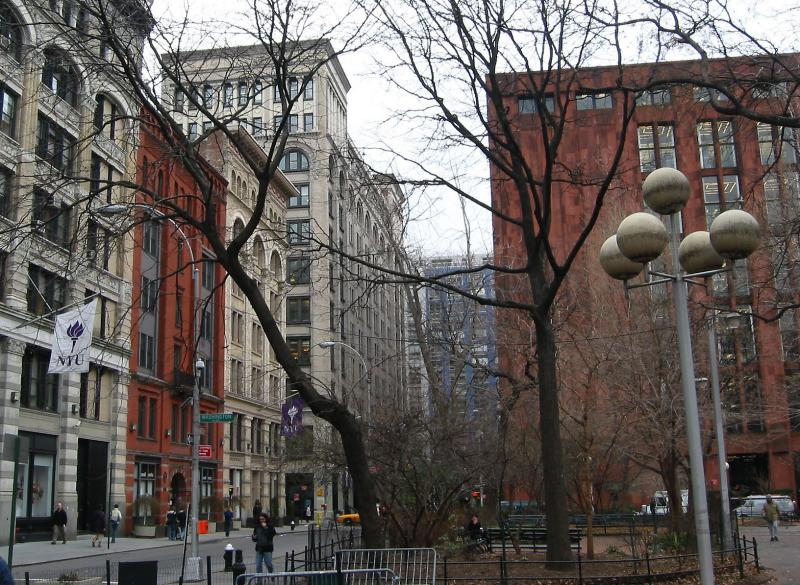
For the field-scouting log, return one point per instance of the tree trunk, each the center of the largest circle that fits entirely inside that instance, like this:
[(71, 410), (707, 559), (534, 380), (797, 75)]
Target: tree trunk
[(552, 458), (328, 409)]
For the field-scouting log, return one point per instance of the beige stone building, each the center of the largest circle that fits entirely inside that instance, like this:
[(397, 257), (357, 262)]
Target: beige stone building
[(341, 206), (66, 130), (253, 379)]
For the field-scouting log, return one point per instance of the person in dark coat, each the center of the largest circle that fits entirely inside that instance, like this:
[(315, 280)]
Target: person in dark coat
[(172, 523), (98, 526), (263, 535), (228, 517), (6, 578), (256, 512), (181, 524), (59, 524)]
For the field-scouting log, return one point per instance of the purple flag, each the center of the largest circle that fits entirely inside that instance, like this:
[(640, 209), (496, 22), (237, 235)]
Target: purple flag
[(292, 417)]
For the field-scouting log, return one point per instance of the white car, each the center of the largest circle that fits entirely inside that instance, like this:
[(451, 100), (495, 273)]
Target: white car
[(753, 506)]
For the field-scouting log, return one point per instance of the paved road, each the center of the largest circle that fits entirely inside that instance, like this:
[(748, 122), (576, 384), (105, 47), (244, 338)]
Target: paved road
[(41, 559), (782, 557)]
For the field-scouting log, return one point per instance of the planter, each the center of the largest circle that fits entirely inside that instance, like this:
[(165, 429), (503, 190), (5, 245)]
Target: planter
[(144, 531)]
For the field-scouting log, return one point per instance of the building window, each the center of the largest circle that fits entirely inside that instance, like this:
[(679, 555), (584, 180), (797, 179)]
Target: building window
[(147, 353), (308, 122), (703, 94), (654, 97), (54, 145), (299, 232), (179, 100), (789, 337), (5, 191), (257, 338), (46, 291), (526, 104), (39, 389), (193, 133), (49, 219), (776, 143), (227, 95), (294, 87), (149, 296), (298, 310), (593, 101), (298, 270), (237, 376), (10, 32), (258, 126), (60, 77), (300, 200), (237, 327), (300, 348), (242, 93), (258, 89), (781, 193), (294, 160), (146, 474), (656, 146), (99, 242), (151, 237), (105, 117), (208, 279), (720, 197), (208, 97), (308, 92), (8, 111), (716, 143)]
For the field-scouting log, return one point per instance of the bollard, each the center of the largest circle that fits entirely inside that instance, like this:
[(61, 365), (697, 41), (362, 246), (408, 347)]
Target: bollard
[(227, 556), (239, 567), (292, 525)]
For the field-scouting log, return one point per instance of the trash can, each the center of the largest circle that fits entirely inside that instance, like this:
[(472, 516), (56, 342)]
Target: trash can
[(202, 527)]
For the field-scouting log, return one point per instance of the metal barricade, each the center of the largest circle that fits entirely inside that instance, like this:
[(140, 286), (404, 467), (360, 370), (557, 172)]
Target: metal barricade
[(337, 577), (412, 566)]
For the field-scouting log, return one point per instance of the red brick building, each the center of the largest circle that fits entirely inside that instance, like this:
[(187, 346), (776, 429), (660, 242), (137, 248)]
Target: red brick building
[(731, 161), (162, 316)]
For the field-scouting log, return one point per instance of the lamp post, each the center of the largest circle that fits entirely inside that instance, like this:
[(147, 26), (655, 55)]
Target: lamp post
[(640, 238), (194, 563), (330, 344)]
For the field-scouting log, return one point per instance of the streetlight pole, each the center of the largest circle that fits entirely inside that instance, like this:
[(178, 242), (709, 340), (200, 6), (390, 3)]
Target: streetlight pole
[(330, 344), (194, 563), (641, 238), (719, 431)]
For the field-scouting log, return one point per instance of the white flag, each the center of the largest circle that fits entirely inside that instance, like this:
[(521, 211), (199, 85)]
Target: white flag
[(72, 340)]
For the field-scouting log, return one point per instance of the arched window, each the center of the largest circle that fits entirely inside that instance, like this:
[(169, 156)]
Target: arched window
[(10, 32), (238, 227), (294, 160), (258, 253), (367, 224), (60, 76), (360, 213), (275, 267), (331, 168)]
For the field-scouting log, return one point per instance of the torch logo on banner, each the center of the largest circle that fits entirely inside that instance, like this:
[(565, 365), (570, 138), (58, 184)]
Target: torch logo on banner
[(292, 417), (72, 340)]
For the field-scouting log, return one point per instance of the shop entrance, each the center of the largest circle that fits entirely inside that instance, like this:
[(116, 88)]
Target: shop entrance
[(92, 481)]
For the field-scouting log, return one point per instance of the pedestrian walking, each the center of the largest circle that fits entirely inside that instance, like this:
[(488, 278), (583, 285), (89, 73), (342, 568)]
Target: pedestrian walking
[(116, 518), (308, 514), (98, 526), (172, 523), (256, 512), (772, 514), (181, 517), (228, 517), (59, 524), (263, 535)]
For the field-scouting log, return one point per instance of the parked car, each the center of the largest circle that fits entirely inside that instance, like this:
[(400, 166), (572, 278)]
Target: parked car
[(348, 519), (753, 506)]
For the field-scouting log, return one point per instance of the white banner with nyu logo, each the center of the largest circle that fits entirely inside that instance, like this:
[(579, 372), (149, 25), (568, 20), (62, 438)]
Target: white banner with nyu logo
[(72, 340)]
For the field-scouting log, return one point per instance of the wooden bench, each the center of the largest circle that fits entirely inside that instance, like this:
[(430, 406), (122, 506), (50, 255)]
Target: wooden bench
[(534, 537)]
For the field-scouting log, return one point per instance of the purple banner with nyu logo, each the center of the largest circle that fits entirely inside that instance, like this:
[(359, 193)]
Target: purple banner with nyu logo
[(292, 417)]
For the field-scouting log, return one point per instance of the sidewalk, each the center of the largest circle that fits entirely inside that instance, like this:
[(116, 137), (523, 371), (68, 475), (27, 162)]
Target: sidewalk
[(30, 553), (780, 557)]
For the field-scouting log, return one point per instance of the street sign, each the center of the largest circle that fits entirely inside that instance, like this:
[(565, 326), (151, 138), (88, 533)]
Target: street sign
[(204, 451), (211, 417)]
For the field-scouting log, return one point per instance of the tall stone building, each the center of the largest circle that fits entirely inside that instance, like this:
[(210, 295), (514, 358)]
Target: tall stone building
[(254, 380), (66, 131), (340, 206)]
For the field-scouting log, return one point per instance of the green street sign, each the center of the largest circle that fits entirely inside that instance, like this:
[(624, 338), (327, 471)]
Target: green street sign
[(216, 417)]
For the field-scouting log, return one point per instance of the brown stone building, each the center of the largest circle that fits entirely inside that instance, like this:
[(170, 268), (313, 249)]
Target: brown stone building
[(731, 161)]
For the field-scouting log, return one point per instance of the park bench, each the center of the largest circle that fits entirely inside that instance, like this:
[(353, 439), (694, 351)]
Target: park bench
[(534, 537)]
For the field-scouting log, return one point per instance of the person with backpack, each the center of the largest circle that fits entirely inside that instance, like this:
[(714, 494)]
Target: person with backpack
[(116, 518), (263, 535)]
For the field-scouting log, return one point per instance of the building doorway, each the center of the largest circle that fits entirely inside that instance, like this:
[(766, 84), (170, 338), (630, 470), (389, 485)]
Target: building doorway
[(92, 478), (177, 490), (749, 474)]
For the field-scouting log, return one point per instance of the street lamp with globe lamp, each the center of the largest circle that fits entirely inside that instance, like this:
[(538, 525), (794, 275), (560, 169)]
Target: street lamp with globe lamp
[(114, 209), (641, 238)]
